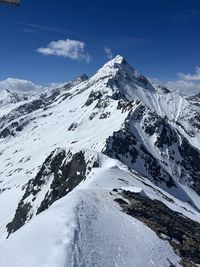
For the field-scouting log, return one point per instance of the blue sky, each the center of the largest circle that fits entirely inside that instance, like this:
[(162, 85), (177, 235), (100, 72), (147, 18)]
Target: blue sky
[(160, 38)]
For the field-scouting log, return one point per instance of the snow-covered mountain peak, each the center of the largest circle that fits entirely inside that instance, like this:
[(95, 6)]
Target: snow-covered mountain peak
[(117, 79), (115, 65), (92, 168), (117, 60)]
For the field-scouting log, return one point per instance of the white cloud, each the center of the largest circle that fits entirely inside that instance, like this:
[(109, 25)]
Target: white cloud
[(184, 87), (66, 48), (190, 77), (108, 52), (17, 85), (186, 84)]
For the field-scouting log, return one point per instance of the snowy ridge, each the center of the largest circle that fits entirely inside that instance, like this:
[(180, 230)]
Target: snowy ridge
[(79, 163)]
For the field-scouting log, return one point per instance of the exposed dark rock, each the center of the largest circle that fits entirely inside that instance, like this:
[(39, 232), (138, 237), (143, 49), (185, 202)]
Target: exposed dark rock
[(50, 165), (92, 97), (93, 115), (65, 96), (166, 135), (182, 233), (115, 190), (13, 128), (195, 120), (190, 163), (103, 103), (54, 94), (73, 126), (163, 90), (121, 145), (6, 132), (66, 178), (104, 115), (20, 218), (121, 201), (128, 146), (61, 172), (195, 99), (34, 186), (155, 170), (126, 105)]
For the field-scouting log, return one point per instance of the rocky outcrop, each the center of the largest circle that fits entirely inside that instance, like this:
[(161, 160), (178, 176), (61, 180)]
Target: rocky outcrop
[(182, 233), (60, 173), (144, 138)]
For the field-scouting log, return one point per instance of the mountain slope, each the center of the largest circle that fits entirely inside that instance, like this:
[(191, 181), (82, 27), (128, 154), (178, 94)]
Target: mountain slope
[(70, 155)]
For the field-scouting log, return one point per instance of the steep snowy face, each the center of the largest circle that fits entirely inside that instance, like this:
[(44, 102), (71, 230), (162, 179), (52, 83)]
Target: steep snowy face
[(121, 80), (118, 68), (118, 80), (149, 144), (180, 113)]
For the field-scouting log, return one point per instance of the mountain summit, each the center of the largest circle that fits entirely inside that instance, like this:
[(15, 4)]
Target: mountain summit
[(120, 71), (102, 171)]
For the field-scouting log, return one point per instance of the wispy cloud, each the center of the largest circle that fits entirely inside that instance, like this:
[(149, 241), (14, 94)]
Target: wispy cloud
[(186, 84), (190, 77), (72, 49), (18, 85), (28, 30), (32, 26), (184, 87), (108, 52)]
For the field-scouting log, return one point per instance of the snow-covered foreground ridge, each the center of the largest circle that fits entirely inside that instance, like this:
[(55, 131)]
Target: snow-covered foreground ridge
[(103, 171)]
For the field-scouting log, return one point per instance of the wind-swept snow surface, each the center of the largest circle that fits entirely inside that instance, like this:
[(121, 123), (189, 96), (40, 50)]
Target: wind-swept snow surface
[(85, 229)]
